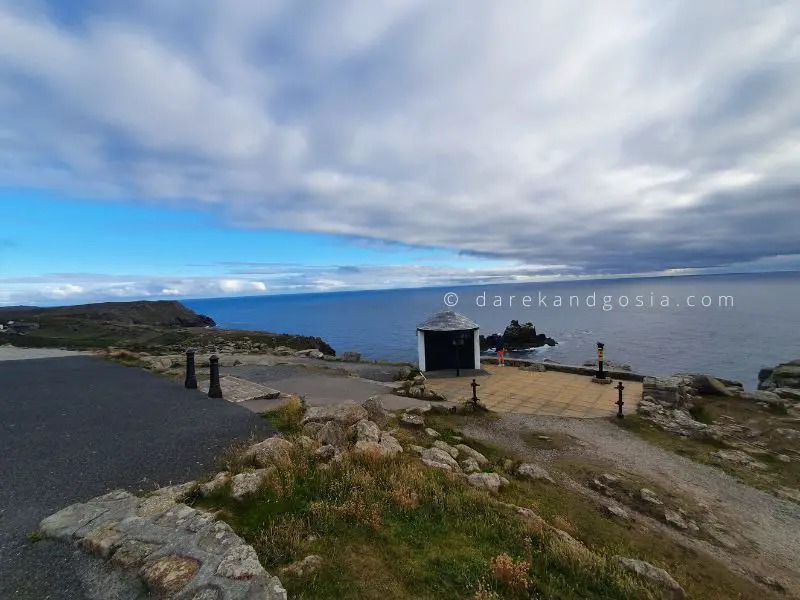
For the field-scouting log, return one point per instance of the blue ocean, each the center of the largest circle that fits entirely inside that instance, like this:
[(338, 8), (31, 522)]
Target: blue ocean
[(726, 325)]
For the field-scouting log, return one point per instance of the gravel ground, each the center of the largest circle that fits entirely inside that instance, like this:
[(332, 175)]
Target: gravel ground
[(771, 523)]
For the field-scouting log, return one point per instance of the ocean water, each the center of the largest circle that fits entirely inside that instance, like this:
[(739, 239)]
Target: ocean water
[(750, 321)]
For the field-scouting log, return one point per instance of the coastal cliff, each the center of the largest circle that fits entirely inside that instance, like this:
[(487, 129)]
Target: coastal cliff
[(140, 326)]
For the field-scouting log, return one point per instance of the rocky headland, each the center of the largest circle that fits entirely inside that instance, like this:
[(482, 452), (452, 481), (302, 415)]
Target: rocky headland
[(517, 337)]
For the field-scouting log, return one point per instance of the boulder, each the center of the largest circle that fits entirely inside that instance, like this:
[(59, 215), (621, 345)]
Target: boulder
[(376, 412), (432, 432), (788, 433), (306, 443), (367, 431), (469, 452), (671, 588), (220, 481), (669, 392), (769, 398), (311, 429), (331, 434), (617, 511), (422, 409), (440, 456), (345, 413), (325, 453), (428, 462), (446, 447), (389, 445), (272, 451), (412, 421), (351, 356), (675, 519), (470, 465), (246, 484), (490, 481), (533, 471)]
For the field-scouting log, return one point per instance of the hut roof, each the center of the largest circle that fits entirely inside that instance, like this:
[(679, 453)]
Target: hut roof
[(447, 320)]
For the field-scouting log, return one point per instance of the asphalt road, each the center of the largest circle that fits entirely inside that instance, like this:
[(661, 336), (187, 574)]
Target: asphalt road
[(75, 427)]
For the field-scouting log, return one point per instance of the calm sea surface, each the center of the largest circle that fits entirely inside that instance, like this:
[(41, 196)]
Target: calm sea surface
[(750, 321)]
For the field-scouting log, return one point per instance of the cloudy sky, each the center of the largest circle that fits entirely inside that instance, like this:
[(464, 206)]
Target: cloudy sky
[(206, 148)]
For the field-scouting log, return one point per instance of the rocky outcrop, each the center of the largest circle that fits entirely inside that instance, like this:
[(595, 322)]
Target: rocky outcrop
[(517, 337), (177, 552), (784, 375), (534, 472), (489, 481)]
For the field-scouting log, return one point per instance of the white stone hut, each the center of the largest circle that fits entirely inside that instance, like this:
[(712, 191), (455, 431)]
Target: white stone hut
[(448, 340)]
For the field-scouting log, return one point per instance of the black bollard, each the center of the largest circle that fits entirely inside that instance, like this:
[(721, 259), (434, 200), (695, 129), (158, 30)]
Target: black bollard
[(191, 376), (600, 373), (619, 402), (215, 389)]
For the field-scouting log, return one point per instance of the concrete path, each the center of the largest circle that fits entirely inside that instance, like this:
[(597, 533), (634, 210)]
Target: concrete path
[(73, 428), (14, 353)]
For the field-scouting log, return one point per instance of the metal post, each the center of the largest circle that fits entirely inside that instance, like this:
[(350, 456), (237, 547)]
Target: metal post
[(215, 389), (191, 376), (475, 386), (619, 402), (600, 373)]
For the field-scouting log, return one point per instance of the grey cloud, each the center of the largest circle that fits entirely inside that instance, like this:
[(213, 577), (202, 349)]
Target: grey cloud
[(580, 139)]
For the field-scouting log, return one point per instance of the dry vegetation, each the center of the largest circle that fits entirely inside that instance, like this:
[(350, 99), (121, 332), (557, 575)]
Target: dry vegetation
[(391, 528)]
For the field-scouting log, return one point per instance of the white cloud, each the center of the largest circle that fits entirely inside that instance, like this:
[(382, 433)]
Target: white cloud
[(598, 136)]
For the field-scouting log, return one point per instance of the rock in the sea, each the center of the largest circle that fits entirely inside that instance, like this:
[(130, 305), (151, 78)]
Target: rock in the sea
[(470, 452), (490, 481), (345, 413), (535, 472), (659, 577), (785, 375)]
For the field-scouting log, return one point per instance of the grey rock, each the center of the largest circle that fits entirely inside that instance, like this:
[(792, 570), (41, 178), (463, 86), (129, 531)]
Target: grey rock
[(376, 412), (428, 462), (389, 445), (345, 413), (240, 562), (617, 511), (412, 421), (439, 455), (432, 432), (246, 484), (331, 434), (675, 519), (490, 481), (653, 574), (442, 445), (467, 451), (470, 465), (649, 496), (367, 431), (272, 451), (534, 472), (325, 453), (310, 564)]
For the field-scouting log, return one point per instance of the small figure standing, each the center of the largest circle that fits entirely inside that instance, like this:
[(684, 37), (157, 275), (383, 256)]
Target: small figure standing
[(501, 356)]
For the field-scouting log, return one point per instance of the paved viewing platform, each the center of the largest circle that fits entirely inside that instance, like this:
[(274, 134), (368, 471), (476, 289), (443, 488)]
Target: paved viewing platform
[(549, 393)]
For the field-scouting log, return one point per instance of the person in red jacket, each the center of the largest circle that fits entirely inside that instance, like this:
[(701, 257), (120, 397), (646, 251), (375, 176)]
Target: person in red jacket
[(500, 356)]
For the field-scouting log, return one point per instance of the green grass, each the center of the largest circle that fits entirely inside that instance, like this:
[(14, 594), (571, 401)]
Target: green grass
[(33, 537), (391, 528)]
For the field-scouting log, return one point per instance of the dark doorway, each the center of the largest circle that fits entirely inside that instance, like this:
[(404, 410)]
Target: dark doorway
[(440, 353)]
